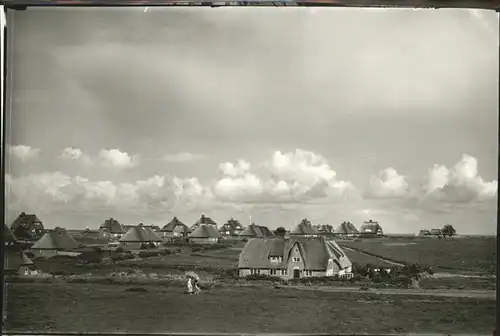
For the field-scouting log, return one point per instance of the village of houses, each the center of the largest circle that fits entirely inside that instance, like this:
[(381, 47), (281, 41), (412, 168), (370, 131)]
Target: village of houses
[(306, 250)]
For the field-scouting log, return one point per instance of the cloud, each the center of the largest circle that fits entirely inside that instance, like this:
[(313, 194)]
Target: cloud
[(298, 176), (459, 184), (388, 184), (24, 153), (75, 154), (116, 158), (184, 157), (56, 190)]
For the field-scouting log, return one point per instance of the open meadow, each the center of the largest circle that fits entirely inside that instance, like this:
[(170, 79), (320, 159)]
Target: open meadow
[(147, 293), (67, 307)]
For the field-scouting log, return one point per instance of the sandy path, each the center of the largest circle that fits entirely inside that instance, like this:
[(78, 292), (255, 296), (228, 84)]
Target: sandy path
[(476, 294)]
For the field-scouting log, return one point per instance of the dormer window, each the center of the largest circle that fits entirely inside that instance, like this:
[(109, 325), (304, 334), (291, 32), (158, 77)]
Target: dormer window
[(276, 259), (296, 259)]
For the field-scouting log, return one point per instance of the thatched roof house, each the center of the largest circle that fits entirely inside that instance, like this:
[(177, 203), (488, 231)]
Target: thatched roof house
[(203, 220), (140, 234), (113, 227), (436, 232), (346, 229), (256, 231), (304, 228), (57, 239), (175, 228), (27, 227), (205, 234), (293, 258), (423, 233), (231, 228), (371, 228), (9, 238), (15, 261), (324, 229)]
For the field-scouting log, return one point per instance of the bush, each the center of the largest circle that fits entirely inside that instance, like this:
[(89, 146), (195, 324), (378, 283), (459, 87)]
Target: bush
[(262, 277), (147, 254), (120, 250)]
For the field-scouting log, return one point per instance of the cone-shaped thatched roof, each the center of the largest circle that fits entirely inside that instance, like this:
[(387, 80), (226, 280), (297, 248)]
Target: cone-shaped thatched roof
[(112, 225), (256, 231), (205, 231), (140, 233), (371, 227), (346, 228), (175, 225), (57, 239), (303, 228), (203, 220), (27, 226)]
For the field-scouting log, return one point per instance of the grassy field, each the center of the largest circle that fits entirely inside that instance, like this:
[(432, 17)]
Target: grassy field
[(67, 307), (464, 255)]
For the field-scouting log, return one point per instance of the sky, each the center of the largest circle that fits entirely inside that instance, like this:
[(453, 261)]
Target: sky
[(267, 115)]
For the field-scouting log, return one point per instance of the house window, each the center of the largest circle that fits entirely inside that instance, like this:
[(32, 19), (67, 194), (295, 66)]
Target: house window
[(296, 259), (276, 259), (273, 272), (308, 273), (284, 272)]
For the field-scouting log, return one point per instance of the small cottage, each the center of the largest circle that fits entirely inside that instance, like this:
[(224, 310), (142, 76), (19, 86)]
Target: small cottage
[(203, 220), (437, 233), (55, 242), (205, 234), (27, 227), (175, 228), (371, 228), (138, 237), (294, 258), (346, 229), (256, 231), (304, 229), (423, 233), (111, 228), (231, 228)]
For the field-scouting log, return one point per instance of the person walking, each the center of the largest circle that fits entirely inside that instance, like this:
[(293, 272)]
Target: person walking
[(190, 286), (197, 289)]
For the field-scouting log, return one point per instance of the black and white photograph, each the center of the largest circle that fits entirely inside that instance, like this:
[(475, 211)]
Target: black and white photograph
[(251, 170)]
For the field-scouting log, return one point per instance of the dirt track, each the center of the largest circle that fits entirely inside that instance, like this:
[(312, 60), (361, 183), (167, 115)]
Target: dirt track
[(475, 294)]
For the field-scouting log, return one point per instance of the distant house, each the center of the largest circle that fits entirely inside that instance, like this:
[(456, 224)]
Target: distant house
[(436, 233), (203, 220), (205, 234), (111, 228), (304, 229), (140, 236), (293, 258), (231, 228), (423, 233), (256, 231), (371, 228), (175, 228), (347, 229), (324, 229), (15, 260), (55, 242), (27, 227)]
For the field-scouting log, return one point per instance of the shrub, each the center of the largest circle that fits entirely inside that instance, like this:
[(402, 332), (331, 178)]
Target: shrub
[(262, 277), (120, 250)]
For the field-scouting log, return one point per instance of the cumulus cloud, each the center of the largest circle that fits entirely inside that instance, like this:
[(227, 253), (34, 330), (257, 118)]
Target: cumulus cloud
[(461, 183), (389, 184), (183, 157), (118, 159), (56, 190), (289, 177), (75, 154), (24, 153)]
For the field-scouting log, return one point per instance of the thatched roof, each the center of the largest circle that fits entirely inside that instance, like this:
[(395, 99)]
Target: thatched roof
[(346, 228), (256, 231), (140, 233), (324, 228), (436, 232), (13, 260), (232, 225), (316, 253), (57, 239), (175, 225), (203, 220), (113, 226), (304, 228), (205, 231), (27, 226), (370, 227), (8, 235)]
